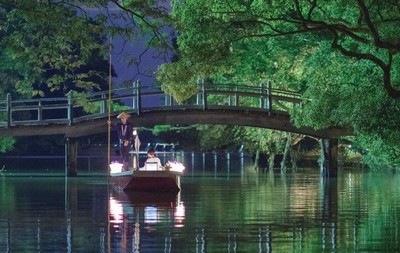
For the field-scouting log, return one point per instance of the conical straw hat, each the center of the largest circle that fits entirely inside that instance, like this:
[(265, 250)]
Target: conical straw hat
[(123, 115)]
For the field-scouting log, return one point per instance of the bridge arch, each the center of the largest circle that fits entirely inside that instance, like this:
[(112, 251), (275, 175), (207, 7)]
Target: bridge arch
[(257, 106)]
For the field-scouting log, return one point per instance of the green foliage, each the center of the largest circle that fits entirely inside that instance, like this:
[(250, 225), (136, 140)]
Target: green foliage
[(258, 139), (160, 129), (378, 154), (47, 46), (341, 55), (177, 79), (51, 48), (6, 144), (215, 137)]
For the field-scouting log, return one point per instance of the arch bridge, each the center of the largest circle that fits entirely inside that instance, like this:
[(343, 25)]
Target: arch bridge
[(80, 115)]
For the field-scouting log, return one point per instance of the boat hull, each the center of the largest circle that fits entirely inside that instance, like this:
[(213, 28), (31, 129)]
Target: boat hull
[(150, 181), (147, 198)]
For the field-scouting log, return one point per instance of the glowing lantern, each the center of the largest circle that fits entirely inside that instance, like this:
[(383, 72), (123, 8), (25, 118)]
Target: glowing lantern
[(116, 167), (175, 166)]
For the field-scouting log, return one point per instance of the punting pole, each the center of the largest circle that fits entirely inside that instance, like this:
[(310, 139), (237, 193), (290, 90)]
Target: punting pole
[(109, 148), (109, 113)]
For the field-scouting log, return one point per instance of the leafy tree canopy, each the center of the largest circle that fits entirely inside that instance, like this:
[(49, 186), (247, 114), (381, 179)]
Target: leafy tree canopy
[(47, 46), (342, 55), (213, 32), (57, 45)]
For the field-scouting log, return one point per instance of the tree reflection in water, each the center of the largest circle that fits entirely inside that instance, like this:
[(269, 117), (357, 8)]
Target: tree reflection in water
[(216, 211)]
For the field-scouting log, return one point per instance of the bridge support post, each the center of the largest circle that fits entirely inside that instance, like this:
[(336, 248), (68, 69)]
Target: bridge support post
[(329, 157), (71, 156)]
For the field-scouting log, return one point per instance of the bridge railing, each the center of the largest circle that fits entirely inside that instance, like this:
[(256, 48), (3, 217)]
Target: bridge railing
[(33, 111), (141, 98), (250, 97)]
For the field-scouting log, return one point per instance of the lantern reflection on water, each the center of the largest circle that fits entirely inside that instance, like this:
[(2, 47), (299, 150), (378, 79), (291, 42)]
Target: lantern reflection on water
[(151, 214), (122, 208), (116, 211), (179, 214)]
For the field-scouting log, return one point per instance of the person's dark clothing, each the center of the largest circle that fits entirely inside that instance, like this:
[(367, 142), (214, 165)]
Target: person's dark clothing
[(124, 135)]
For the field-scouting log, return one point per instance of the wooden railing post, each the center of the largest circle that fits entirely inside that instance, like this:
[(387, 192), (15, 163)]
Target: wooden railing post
[(230, 98), (39, 116), (9, 115), (262, 98), (199, 92), (70, 110), (103, 105), (134, 95), (168, 100), (138, 97), (269, 96), (237, 102), (203, 83)]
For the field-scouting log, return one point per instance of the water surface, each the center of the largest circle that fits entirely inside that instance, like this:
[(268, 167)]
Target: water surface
[(228, 211)]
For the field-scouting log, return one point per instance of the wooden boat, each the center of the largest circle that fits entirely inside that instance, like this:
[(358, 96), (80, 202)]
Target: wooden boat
[(150, 181)]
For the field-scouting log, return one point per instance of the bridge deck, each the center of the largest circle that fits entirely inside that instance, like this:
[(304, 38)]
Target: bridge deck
[(257, 106)]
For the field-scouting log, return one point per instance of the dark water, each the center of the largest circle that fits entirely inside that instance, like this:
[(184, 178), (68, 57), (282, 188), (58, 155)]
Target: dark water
[(242, 211)]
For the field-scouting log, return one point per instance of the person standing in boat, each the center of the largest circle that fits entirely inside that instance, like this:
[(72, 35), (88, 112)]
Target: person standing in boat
[(152, 158), (124, 130)]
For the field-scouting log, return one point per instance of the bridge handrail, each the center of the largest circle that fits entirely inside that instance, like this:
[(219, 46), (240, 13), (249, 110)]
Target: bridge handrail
[(255, 88), (70, 108)]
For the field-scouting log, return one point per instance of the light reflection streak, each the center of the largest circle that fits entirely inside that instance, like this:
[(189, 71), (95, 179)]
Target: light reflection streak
[(116, 211), (179, 214), (151, 215), (133, 219)]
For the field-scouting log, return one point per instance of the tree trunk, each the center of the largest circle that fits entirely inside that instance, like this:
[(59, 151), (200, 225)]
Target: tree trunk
[(271, 160), (329, 157), (257, 160), (286, 151), (322, 155), (293, 159)]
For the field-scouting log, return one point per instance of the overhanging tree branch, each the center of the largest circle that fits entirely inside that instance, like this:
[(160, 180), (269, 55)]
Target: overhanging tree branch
[(153, 28), (338, 30), (386, 68), (375, 34)]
